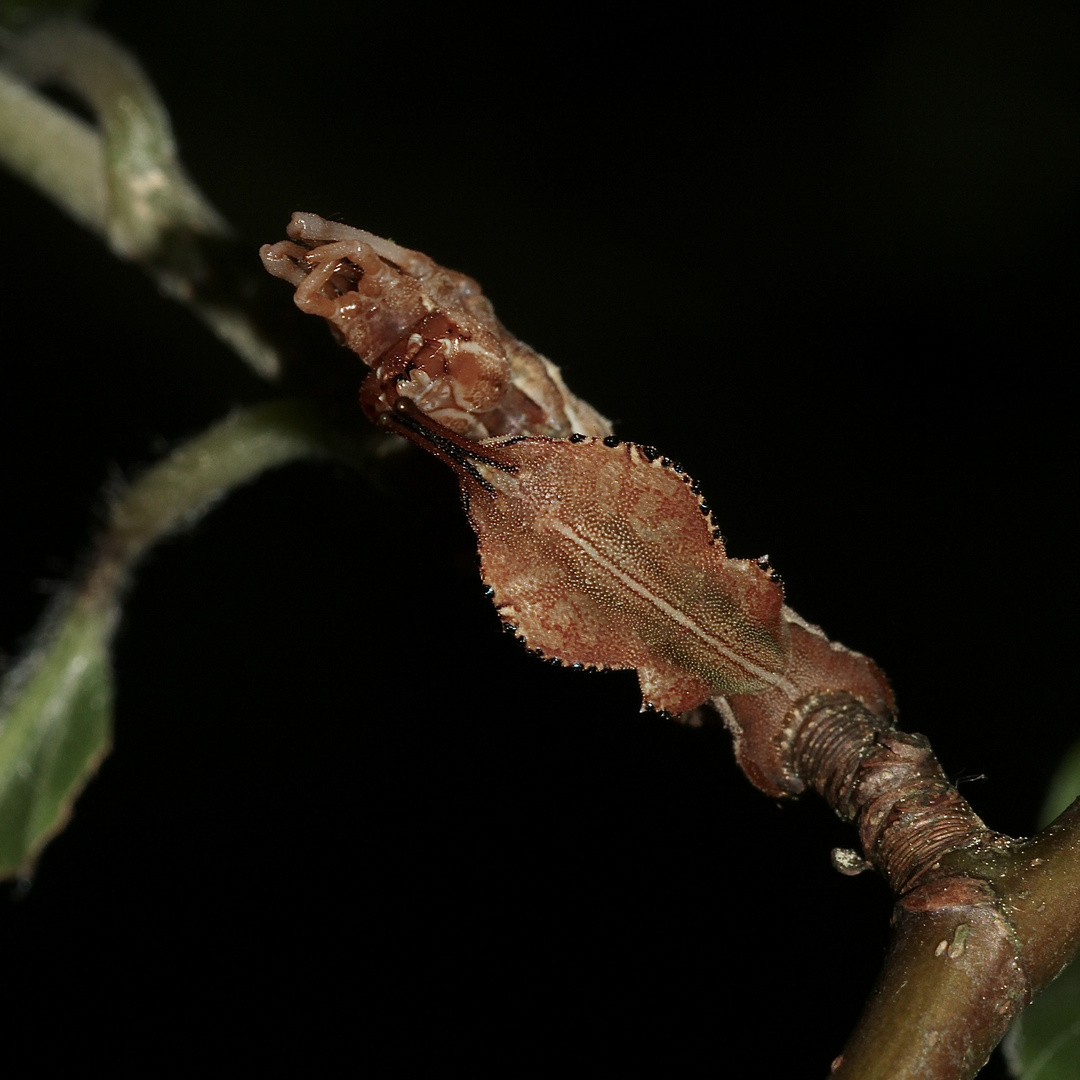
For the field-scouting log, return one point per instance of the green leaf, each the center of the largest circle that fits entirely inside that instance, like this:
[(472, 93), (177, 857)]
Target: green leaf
[(55, 723), (1044, 1043), (1064, 787)]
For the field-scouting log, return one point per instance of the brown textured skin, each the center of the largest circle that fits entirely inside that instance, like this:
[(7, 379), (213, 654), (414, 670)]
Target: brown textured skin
[(428, 334), (762, 723), (598, 556)]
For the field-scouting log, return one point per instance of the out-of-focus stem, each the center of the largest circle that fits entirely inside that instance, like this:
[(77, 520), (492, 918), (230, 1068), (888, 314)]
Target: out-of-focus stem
[(179, 489), (33, 131), (123, 178), (56, 702), (146, 184)]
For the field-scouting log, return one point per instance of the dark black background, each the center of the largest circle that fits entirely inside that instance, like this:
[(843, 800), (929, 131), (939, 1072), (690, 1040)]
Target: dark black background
[(827, 260)]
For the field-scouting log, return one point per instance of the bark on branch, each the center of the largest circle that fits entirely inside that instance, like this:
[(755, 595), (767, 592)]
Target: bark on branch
[(975, 934)]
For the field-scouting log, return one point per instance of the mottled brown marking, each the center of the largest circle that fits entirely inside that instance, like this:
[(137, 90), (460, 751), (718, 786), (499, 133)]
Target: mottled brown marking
[(427, 333), (598, 554)]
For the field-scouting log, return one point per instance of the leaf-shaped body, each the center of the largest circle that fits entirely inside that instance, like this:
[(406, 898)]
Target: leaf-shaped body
[(600, 553)]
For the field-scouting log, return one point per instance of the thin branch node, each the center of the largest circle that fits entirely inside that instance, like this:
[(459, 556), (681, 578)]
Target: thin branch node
[(886, 782)]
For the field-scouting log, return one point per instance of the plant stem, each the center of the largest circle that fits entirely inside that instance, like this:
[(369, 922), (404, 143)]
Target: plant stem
[(123, 179), (890, 786), (982, 921), (56, 702)]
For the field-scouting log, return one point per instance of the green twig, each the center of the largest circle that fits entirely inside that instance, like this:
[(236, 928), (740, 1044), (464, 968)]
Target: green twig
[(56, 703), (122, 178)]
